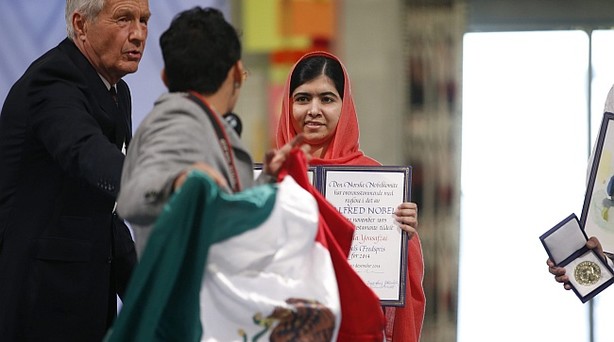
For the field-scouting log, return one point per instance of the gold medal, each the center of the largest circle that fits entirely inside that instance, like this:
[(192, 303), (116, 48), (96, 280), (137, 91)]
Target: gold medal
[(587, 273)]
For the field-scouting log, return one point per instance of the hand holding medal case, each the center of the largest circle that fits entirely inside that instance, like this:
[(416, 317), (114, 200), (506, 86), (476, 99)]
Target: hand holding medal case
[(588, 273)]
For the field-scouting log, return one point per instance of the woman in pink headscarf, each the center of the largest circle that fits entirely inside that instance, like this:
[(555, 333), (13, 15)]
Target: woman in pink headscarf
[(318, 102)]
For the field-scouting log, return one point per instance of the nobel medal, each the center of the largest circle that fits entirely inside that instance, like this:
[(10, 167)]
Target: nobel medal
[(587, 273)]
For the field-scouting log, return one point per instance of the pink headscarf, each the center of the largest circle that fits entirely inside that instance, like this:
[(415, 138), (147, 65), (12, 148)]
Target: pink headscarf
[(343, 148)]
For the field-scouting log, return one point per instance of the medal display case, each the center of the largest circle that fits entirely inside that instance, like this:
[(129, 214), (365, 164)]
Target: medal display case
[(588, 272)]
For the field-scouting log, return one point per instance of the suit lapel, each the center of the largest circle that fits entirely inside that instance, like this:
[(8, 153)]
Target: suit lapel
[(120, 114), (117, 112)]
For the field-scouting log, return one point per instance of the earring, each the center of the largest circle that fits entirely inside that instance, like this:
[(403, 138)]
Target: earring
[(237, 85)]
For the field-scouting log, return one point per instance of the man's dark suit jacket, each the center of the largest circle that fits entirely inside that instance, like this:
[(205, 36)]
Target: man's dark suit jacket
[(64, 253)]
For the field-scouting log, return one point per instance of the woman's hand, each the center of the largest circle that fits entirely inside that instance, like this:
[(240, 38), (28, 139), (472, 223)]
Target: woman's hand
[(407, 217), (559, 274)]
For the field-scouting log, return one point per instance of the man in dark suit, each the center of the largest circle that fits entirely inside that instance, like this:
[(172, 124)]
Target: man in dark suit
[(64, 253)]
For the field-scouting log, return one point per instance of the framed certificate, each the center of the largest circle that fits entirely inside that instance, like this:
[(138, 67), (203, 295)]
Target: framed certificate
[(368, 196), (597, 217)]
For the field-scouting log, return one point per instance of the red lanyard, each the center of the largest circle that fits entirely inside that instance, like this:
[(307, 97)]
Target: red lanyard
[(222, 137)]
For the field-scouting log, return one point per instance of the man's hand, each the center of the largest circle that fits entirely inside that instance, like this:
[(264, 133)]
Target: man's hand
[(204, 168), (274, 159)]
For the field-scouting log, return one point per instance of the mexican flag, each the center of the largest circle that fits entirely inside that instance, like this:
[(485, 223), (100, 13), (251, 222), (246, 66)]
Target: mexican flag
[(259, 265)]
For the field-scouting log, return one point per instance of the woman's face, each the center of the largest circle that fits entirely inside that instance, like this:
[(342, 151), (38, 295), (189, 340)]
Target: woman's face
[(316, 107)]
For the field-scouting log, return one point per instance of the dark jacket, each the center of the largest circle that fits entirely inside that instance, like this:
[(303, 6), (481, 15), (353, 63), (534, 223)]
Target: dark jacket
[(64, 253)]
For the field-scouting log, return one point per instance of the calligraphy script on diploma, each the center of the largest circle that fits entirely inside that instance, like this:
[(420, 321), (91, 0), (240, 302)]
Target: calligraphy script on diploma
[(369, 200)]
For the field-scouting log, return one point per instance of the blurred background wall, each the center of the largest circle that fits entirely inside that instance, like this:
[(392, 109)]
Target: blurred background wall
[(485, 277)]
